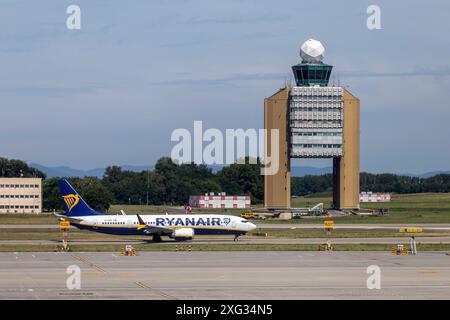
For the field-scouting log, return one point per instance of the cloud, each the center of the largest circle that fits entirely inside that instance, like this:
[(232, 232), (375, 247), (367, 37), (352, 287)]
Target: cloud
[(161, 64), (244, 19), (420, 72), (226, 80), (437, 72), (49, 91)]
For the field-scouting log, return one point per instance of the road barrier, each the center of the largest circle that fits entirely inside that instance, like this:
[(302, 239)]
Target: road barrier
[(399, 250), (128, 251)]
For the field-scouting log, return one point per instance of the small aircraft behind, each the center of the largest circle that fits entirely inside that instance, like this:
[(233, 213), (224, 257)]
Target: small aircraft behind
[(179, 227)]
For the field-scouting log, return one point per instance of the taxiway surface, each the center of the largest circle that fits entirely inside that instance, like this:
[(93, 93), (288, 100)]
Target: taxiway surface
[(225, 275)]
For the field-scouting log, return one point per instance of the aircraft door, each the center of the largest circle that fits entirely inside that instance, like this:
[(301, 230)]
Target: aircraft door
[(129, 222)]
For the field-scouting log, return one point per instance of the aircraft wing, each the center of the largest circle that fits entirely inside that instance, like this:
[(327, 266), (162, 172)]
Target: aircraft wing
[(62, 217), (152, 229)]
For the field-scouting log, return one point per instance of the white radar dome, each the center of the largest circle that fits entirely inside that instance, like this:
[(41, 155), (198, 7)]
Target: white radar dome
[(312, 51)]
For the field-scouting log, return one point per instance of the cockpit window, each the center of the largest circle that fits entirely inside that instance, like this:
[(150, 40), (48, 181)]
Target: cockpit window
[(244, 221)]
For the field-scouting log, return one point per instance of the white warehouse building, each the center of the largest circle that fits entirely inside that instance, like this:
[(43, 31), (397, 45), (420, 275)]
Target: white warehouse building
[(374, 197), (220, 202)]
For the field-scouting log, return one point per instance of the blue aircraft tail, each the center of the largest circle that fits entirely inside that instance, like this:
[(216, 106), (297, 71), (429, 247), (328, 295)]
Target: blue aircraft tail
[(74, 205)]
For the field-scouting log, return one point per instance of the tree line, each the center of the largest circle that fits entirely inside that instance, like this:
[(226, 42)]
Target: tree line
[(12, 168), (385, 182), (172, 184), (167, 184)]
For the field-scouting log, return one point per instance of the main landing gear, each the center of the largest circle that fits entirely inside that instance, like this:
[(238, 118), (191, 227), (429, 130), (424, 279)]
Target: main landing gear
[(236, 237), (157, 238)]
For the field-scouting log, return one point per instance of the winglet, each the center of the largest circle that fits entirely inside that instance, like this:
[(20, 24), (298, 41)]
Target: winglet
[(141, 223)]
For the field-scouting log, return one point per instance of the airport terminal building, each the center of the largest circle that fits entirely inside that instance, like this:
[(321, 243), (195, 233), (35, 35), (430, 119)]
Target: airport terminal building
[(20, 195)]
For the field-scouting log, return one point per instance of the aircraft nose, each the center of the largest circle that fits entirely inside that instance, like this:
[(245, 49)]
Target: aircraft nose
[(252, 226)]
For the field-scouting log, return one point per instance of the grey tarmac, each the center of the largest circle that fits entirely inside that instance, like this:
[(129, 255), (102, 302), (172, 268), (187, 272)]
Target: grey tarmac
[(281, 225), (243, 241), (225, 275)]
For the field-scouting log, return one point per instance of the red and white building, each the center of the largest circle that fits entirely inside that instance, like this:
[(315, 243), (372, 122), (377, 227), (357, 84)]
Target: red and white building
[(374, 197), (220, 201)]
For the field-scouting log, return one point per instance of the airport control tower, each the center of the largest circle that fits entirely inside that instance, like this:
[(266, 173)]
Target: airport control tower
[(314, 120)]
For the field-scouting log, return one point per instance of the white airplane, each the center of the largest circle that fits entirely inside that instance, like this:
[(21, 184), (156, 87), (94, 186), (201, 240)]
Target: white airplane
[(179, 227)]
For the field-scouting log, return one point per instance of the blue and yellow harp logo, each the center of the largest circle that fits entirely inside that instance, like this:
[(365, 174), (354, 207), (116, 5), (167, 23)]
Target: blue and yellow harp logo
[(71, 200)]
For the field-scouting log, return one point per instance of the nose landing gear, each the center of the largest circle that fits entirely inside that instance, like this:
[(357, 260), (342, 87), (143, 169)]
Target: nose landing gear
[(236, 237)]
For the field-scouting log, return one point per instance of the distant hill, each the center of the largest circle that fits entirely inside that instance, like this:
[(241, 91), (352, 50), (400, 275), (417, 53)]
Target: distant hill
[(432, 173), (299, 171), (296, 171), (64, 171)]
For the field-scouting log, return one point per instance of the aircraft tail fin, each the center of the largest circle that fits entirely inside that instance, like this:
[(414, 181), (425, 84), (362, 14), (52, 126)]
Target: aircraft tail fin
[(73, 203)]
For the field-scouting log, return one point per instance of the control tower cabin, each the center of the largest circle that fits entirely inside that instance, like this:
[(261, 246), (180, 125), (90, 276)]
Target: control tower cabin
[(314, 121)]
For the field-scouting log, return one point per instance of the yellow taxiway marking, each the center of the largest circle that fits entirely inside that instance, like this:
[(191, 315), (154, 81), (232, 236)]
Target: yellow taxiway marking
[(91, 274), (429, 273), (161, 293), (126, 274), (90, 264), (123, 274)]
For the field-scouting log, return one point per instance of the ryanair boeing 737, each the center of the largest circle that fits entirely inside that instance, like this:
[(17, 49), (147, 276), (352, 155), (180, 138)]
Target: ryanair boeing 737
[(178, 227)]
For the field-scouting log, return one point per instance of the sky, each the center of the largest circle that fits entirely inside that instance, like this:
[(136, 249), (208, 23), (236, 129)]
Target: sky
[(114, 91)]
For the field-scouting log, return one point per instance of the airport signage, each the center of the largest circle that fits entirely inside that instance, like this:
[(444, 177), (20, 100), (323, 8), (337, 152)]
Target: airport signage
[(411, 230), (328, 224), (63, 225)]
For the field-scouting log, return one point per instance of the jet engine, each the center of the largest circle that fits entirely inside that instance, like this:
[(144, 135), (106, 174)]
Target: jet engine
[(182, 234)]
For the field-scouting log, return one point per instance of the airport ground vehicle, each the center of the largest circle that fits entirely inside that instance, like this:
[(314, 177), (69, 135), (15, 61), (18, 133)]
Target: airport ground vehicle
[(248, 215)]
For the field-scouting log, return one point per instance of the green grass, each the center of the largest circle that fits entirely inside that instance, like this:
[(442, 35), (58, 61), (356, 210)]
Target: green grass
[(138, 209), (346, 233), (55, 235), (23, 218), (218, 247), (143, 209), (408, 208), (75, 234)]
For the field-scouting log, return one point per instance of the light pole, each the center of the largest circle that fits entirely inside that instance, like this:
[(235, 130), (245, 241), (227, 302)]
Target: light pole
[(148, 181)]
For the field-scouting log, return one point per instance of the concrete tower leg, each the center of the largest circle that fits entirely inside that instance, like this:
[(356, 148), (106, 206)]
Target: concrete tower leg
[(277, 187), (346, 169), (336, 183)]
